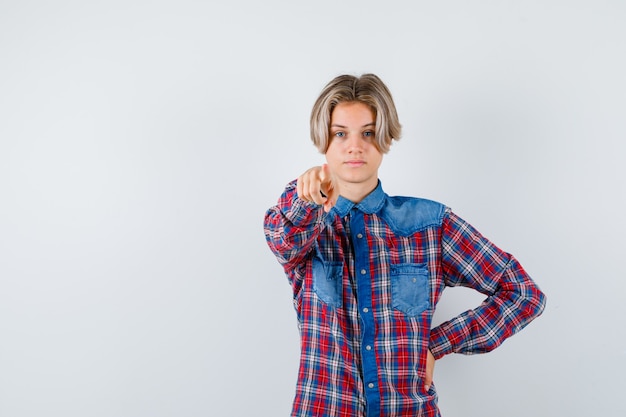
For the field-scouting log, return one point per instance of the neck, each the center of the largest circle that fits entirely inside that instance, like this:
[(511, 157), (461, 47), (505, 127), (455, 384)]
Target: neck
[(357, 192)]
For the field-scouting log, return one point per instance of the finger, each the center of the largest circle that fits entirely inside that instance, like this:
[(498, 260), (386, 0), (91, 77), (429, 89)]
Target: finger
[(428, 380), (309, 186), (302, 188), (304, 184), (325, 179), (328, 205), (331, 198), (315, 191), (430, 369), (324, 173), (327, 184)]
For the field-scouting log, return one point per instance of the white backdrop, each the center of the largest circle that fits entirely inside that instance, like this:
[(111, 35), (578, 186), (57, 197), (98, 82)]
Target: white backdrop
[(142, 141)]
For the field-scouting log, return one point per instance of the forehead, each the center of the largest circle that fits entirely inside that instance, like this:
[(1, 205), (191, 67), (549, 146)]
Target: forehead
[(352, 113)]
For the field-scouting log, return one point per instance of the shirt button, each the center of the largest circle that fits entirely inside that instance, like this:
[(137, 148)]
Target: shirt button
[(366, 310), (368, 347), (371, 385), (359, 235), (363, 272)]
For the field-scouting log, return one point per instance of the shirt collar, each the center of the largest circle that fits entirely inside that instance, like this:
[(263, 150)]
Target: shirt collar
[(373, 202)]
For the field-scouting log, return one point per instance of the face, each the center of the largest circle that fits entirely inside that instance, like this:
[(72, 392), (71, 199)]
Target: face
[(352, 155)]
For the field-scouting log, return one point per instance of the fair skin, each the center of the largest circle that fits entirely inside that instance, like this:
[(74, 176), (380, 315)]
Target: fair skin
[(351, 169), (352, 159)]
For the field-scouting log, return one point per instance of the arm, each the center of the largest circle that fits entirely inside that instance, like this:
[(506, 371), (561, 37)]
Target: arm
[(292, 226), (513, 299)]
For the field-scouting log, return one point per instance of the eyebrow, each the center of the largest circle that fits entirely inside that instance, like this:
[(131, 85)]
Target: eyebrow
[(343, 127)]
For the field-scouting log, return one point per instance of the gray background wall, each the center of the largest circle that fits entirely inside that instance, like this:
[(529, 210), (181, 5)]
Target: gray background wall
[(142, 141)]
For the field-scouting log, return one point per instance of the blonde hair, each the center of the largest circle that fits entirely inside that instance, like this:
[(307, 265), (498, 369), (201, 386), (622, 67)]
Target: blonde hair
[(368, 89)]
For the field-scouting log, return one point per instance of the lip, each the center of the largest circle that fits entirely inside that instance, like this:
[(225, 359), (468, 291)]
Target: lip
[(355, 163)]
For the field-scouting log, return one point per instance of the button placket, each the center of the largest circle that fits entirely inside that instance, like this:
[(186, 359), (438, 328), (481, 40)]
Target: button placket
[(364, 300)]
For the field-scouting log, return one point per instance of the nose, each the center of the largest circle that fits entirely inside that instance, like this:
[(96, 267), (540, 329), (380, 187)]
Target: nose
[(354, 144)]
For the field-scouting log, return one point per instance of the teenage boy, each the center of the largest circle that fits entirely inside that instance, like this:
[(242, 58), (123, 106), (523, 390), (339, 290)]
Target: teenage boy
[(367, 270)]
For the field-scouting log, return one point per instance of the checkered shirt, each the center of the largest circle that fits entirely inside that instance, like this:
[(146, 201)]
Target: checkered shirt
[(366, 279)]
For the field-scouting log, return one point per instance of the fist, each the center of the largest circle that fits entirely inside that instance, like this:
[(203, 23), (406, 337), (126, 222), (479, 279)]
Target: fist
[(316, 185)]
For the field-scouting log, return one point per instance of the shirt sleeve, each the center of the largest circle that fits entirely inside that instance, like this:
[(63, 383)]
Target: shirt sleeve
[(513, 299), (292, 227)]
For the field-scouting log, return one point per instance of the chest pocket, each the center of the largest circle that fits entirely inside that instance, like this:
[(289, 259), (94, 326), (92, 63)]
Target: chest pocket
[(410, 291), (328, 281)]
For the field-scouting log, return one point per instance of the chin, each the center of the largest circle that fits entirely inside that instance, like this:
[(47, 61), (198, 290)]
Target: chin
[(356, 179)]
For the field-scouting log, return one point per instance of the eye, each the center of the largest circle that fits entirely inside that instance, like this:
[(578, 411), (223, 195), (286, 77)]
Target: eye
[(369, 134), (340, 134)]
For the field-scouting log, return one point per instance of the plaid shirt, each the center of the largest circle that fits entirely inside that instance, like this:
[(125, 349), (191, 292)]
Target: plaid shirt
[(366, 279)]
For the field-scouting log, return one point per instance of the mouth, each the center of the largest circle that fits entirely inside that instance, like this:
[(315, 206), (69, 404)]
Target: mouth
[(355, 163)]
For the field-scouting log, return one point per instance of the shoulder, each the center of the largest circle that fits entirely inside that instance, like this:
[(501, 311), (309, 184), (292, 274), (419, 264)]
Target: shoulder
[(407, 215)]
